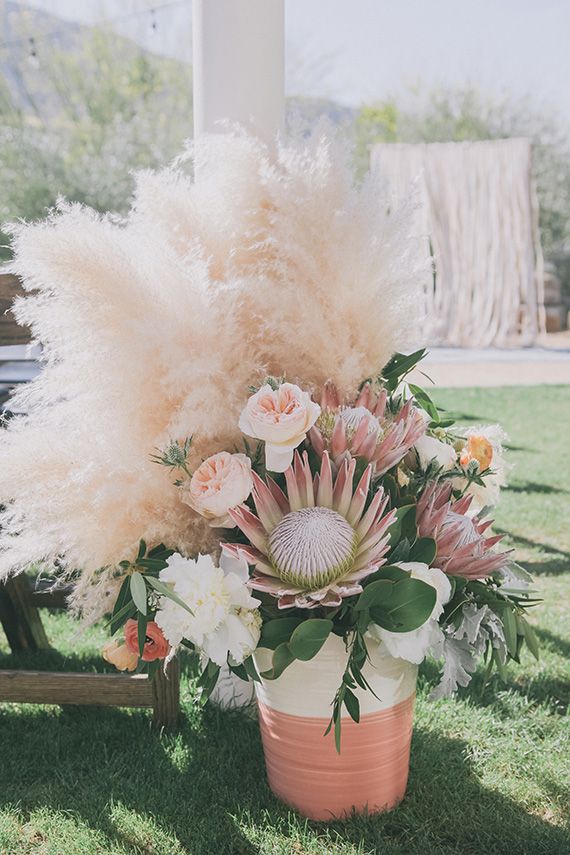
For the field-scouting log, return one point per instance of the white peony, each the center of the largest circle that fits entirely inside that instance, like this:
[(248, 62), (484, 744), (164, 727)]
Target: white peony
[(281, 418), (220, 483), (225, 618), (414, 646)]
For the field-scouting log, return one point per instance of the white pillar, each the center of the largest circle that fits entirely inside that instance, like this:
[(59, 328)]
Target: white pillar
[(239, 65), (239, 75)]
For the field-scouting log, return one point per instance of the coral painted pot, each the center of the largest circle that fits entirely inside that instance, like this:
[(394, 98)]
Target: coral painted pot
[(303, 766)]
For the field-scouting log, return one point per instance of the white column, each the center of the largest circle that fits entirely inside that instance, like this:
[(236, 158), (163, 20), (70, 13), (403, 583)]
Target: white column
[(239, 65), (239, 75)]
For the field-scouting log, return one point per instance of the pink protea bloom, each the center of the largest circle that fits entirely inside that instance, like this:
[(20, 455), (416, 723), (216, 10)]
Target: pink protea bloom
[(462, 548), (363, 428), (314, 544)]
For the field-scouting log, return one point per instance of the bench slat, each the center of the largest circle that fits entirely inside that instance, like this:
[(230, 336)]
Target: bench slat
[(59, 687)]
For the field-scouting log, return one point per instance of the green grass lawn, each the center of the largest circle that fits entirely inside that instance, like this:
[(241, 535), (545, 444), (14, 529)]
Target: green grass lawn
[(490, 770)]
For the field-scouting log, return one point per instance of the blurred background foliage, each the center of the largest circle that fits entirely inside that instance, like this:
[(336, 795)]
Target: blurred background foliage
[(80, 115)]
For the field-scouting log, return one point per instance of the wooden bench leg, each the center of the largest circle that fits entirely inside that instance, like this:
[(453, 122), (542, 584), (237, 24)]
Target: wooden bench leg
[(21, 620), (166, 696)]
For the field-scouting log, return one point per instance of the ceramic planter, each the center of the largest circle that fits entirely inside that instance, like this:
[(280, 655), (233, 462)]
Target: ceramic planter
[(303, 766)]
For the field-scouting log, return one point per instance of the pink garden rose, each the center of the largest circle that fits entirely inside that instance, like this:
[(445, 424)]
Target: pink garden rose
[(281, 418), (221, 483)]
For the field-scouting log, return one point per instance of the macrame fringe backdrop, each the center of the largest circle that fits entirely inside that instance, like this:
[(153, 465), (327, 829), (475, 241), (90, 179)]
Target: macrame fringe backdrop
[(479, 221), (154, 327)]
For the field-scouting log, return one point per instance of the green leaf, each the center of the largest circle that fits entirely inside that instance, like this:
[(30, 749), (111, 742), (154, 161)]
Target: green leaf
[(167, 592), (352, 705), (281, 659), (530, 638), (207, 680), (423, 550), (424, 400), (142, 550), (128, 611), (123, 596), (251, 670), (337, 728), (503, 674), (239, 671), (374, 594), (390, 572), (153, 564), (275, 632), (143, 620), (138, 591), (406, 606), (308, 638), (399, 365), (510, 629), (404, 525)]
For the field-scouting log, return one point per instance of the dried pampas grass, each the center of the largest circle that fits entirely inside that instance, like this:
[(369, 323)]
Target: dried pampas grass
[(154, 327)]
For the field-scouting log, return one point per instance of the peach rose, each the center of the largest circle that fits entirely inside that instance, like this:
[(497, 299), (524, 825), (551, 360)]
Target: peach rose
[(119, 655), (221, 483), (477, 448), (281, 418), (156, 646)]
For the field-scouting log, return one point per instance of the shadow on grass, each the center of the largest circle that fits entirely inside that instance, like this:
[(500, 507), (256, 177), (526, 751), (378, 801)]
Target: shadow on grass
[(555, 642), (533, 487), (206, 785), (558, 559), (525, 449)]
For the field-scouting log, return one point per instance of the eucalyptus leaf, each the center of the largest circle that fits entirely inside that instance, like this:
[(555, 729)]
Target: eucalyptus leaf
[(375, 594), (406, 605), (281, 659), (404, 525), (424, 550), (275, 632), (308, 638)]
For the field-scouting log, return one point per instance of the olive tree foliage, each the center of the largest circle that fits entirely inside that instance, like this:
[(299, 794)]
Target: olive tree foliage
[(443, 115), (83, 121)]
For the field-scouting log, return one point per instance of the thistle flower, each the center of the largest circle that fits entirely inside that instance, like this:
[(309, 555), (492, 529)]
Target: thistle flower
[(315, 544), (462, 548), (365, 429)]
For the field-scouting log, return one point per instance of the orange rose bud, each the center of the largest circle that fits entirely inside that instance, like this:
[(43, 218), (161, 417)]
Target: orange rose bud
[(156, 646), (119, 655), (478, 448)]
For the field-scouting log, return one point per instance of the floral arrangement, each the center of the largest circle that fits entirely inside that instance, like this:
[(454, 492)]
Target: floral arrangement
[(365, 517), (271, 521)]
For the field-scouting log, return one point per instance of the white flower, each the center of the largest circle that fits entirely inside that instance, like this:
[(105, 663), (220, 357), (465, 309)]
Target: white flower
[(281, 418), (429, 448), (221, 483), (225, 617), (414, 646)]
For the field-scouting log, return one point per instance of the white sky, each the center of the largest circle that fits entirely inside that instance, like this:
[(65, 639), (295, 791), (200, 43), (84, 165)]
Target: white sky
[(362, 50)]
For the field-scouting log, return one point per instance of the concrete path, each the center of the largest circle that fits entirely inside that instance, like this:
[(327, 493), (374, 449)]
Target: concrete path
[(548, 363)]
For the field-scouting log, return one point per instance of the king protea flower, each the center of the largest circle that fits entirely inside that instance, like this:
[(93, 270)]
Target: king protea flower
[(462, 548), (364, 429), (314, 545)]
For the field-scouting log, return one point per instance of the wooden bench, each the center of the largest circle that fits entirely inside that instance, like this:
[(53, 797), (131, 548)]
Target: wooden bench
[(20, 601)]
